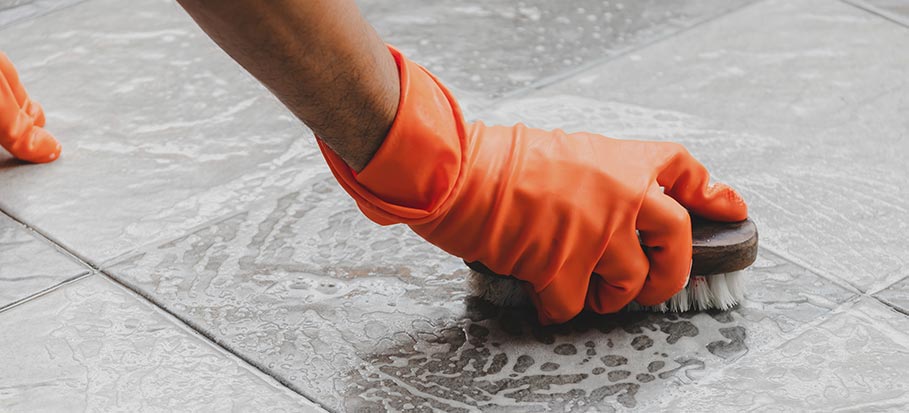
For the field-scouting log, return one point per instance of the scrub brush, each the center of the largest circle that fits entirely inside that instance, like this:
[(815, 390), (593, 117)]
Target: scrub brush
[(720, 253)]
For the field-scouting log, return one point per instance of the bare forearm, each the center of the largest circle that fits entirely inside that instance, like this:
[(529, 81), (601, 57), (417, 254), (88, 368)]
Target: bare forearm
[(320, 58)]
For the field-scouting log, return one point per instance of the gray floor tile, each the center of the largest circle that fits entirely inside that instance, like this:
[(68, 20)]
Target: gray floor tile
[(799, 104), (856, 361), (8, 4), (91, 346), (489, 48), (357, 315), (161, 130), (897, 295), (12, 11), (29, 265), (896, 10)]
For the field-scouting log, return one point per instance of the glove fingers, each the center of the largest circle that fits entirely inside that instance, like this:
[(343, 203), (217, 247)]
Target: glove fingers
[(8, 71), (665, 228), (562, 299), (620, 275), (36, 112), (687, 181), (13, 121), (39, 146)]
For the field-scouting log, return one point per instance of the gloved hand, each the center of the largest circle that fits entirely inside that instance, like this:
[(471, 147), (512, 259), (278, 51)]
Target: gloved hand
[(22, 120), (548, 207)]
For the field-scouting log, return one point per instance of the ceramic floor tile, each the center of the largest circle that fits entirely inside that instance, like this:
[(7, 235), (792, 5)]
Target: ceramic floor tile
[(802, 109), (8, 4), (90, 346), (856, 361), (161, 131), (12, 11), (29, 265), (492, 47), (355, 315), (897, 295), (896, 10)]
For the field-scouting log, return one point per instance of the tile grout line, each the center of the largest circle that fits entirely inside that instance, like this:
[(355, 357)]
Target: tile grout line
[(34, 296), (890, 305), (95, 270), (585, 67), (831, 278), (47, 239), (849, 287), (877, 11), (212, 339), (794, 335), (88, 268), (879, 288), (145, 246)]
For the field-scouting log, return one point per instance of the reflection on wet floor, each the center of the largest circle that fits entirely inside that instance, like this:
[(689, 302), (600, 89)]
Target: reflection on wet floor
[(502, 358), (490, 48)]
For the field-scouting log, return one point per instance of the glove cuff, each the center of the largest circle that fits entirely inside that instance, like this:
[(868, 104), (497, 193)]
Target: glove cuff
[(415, 174)]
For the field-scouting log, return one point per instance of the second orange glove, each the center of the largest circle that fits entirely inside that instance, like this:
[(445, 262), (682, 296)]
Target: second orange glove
[(560, 210), (22, 130)]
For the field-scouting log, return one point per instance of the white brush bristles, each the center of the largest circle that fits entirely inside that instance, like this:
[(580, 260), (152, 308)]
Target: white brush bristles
[(679, 303), (703, 292), (721, 296), (700, 293), (735, 281)]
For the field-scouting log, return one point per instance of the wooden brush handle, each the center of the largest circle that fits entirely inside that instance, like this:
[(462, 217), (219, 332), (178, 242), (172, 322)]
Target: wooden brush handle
[(717, 247), (721, 247)]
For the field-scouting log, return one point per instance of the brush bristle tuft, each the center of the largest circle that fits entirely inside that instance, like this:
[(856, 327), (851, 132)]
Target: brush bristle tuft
[(719, 291), (700, 293)]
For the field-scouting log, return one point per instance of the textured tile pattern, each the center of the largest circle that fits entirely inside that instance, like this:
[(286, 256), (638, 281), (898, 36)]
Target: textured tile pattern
[(29, 265), (356, 315), (816, 136), (897, 295), (856, 361), (90, 346), (8, 4), (493, 47), (160, 130), (896, 10), (12, 11)]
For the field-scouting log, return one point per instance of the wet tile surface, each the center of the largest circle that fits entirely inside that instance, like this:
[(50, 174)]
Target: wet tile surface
[(9, 4), (12, 11), (489, 48), (160, 130), (90, 346), (190, 184), (855, 361), (29, 265), (897, 295), (355, 315), (896, 10), (815, 136)]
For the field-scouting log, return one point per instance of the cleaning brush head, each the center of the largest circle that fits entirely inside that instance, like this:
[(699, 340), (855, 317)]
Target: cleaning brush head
[(720, 253)]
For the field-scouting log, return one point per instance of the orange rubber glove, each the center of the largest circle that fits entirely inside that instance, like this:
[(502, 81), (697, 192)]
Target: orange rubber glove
[(22, 120), (548, 207)]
